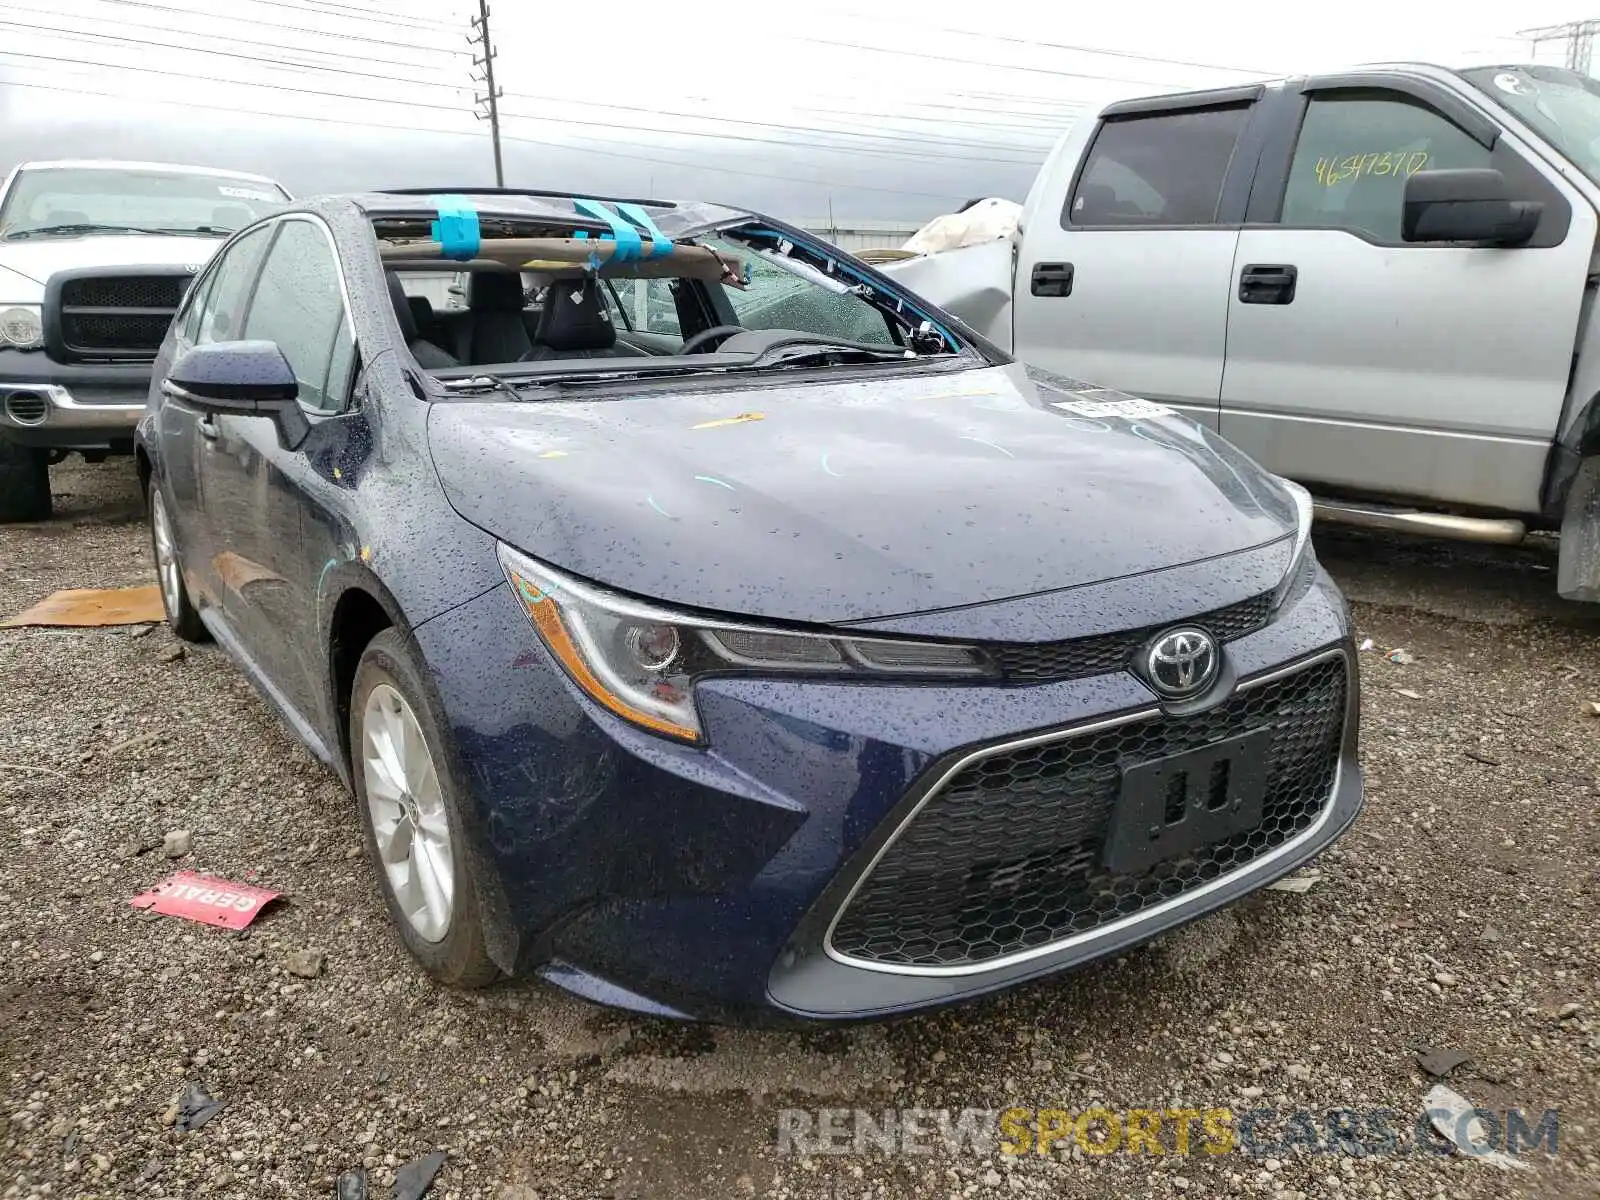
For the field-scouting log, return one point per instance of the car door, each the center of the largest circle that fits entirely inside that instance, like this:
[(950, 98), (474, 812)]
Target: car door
[(298, 304), (1126, 284), (213, 312), (1361, 364)]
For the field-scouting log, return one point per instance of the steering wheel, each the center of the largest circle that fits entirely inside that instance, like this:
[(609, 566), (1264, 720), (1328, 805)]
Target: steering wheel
[(696, 343)]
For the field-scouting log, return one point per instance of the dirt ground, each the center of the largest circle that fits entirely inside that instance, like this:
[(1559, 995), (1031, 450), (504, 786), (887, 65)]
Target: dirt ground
[(1460, 913)]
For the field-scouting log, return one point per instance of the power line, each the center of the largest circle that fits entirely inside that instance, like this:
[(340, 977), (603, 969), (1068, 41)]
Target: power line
[(171, 10), (791, 144), (358, 13), (121, 39), (974, 62), (412, 128), (1125, 54), (667, 112)]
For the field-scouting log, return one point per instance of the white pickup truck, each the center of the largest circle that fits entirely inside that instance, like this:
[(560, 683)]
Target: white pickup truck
[(94, 258), (1380, 283)]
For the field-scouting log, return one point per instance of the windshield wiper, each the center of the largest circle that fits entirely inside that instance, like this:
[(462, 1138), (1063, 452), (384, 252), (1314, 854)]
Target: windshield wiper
[(792, 354), (79, 227)]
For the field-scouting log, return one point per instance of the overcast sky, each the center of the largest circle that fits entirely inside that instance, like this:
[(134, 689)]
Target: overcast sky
[(888, 112)]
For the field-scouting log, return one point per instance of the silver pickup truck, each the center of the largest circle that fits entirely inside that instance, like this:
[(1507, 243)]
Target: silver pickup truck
[(94, 258), (1380, 283)]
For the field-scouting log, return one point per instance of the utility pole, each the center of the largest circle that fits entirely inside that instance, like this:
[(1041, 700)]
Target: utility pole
[(487, 106), (1578, 36)]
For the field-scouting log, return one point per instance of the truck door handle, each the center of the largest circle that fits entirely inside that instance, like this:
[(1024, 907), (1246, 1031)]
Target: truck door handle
[(1051, 279), (207, 427), (1267, 285)]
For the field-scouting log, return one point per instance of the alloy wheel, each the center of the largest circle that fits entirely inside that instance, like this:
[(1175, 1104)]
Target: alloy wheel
[(406, 807)]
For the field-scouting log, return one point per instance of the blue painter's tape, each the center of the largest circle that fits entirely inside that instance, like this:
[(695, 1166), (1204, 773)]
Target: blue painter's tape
[(629, 245), (660, 243), (456, 230)]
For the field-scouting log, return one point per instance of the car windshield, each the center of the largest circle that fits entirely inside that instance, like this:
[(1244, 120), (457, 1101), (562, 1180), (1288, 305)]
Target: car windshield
[(1562, 106), (742, 298), (88, 200)]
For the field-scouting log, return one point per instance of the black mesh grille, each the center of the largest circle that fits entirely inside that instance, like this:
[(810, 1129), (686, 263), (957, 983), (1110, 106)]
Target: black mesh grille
[(107, 332), (92, 325), (126, 291), (1041, 662), (1007, 855)]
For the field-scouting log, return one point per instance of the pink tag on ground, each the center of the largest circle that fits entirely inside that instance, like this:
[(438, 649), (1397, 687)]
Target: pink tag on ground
[(206, 899)]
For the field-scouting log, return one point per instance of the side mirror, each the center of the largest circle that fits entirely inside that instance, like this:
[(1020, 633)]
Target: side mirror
[(1467, 205), (241, 379)]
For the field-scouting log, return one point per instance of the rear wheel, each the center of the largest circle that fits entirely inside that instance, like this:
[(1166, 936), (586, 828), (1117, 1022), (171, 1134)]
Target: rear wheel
[(409, 805), (181, 615), (24, 483)]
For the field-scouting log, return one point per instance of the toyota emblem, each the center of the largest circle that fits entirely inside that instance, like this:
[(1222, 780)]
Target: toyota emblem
[(1181, 663)]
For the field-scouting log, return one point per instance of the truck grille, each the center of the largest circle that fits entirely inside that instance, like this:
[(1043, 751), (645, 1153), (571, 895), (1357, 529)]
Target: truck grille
[(1042, 662), (117, 316), (1006, 856)]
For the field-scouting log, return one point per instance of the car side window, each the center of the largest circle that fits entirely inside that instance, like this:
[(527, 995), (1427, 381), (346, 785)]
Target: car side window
[(1157, 168), (646, 305), (1355, 153), (299, 305), (227, 289)]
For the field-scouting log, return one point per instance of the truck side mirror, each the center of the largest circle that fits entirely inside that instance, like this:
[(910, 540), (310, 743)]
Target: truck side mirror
[(1466, 205)]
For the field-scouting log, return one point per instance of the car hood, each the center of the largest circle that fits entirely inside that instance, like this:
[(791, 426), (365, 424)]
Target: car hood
[(38, 258), (843, 501)]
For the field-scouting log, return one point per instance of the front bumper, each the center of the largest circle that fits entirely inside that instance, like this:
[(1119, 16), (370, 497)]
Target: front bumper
[(54, 405), (703, 883)]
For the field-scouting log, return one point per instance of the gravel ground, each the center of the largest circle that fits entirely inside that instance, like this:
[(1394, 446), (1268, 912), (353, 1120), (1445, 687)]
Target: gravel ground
[(1460, 912)]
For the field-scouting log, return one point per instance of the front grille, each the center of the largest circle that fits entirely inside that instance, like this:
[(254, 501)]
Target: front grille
[(1043, 662), (118, 316), (124, 291), (1006, 856)]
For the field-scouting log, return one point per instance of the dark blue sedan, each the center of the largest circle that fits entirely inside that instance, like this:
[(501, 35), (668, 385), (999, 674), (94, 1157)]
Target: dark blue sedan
[(713, 627)]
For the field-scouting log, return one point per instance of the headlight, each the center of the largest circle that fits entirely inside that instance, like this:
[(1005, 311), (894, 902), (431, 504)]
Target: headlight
[(641, 662), (20, 327), (1303, 560)]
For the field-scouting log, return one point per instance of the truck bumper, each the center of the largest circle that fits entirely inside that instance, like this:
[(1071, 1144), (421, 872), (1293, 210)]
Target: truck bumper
[(53, 406)]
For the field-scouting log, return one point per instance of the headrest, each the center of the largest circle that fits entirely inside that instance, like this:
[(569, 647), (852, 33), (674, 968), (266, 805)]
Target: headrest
[(495, 291), (574, 317), (66, 216), (402, 307), (421, 311)]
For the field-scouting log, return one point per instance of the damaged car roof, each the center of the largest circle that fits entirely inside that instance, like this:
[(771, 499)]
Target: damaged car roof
[(674, 218)]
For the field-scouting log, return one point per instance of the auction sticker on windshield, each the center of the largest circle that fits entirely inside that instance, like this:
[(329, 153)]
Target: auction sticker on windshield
[(206, 899)]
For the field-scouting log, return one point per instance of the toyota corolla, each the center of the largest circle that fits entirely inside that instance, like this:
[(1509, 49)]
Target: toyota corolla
[(715, 628)]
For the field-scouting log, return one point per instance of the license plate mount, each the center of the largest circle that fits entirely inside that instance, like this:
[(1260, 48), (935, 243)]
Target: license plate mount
[(1173, 805)]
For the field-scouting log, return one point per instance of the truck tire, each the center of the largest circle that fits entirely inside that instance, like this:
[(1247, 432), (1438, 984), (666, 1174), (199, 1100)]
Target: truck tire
[(24, 483), (1578, 569)]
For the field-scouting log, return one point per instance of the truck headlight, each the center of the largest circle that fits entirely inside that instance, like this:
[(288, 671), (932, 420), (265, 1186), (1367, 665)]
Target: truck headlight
[(1303, 559), (641, 661), (21, 326)]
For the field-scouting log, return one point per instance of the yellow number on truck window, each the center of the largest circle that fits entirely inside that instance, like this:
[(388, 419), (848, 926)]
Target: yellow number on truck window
[(1344, 168)]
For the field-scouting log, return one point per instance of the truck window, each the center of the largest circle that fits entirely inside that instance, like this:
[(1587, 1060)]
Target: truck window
[(1157, 169), (1354, 155)]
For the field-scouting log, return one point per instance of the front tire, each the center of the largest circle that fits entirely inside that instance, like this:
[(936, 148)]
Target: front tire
[(24, 483), (410, 808), (182, 618)]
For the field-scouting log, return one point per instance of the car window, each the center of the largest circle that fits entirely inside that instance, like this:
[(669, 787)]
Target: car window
[(299, 305), (778, 297), (1157, 169), (221, 312), (646, 305), (1355, 154)]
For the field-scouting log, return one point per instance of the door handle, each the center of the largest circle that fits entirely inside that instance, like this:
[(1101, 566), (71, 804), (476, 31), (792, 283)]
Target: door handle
[(207, 426), (1051, 279), (1267, 285)]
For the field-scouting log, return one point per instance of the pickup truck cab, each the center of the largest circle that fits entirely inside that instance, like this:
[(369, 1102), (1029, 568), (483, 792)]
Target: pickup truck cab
[(1379, 283), (95, 257)]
